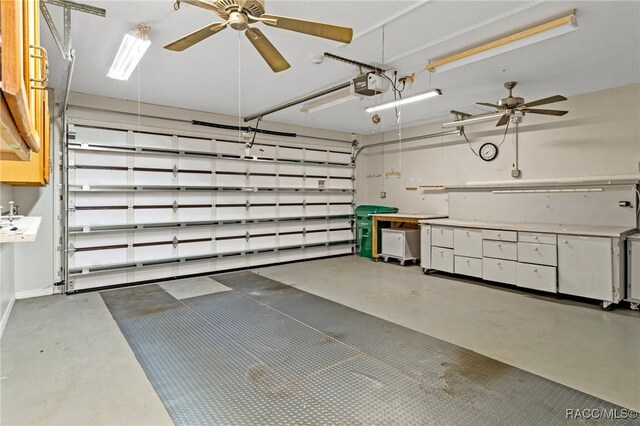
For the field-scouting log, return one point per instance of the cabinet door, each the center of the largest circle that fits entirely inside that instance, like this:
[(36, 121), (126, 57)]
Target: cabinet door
[(585, 267), (393, 243), (15, 87), (425, 246), (467, 242)]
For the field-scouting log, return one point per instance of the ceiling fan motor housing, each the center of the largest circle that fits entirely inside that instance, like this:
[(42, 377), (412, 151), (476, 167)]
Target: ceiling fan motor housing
[(226, 8)]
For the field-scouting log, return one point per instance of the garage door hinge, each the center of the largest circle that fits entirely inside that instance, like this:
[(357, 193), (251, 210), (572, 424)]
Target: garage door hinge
[(175, 242), (175, 206), (175, 171), (71, 250)]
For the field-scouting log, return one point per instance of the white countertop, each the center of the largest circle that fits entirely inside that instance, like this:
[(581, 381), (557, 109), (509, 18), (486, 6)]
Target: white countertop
[(589, 230), (27, 230), (410, 215)]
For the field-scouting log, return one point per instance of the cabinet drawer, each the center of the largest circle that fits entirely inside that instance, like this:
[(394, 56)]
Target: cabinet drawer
[(467, 242), (534, 237), (492, 234), (442, 259), (502, 271), (536, 277), (500, 250), (468, 266), (442, 236), (541, 254)]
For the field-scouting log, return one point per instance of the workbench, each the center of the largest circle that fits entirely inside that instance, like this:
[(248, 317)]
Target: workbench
[(396, 220)]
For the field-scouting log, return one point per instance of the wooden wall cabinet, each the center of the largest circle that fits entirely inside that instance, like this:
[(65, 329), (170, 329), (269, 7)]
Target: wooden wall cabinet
[(24, 141)]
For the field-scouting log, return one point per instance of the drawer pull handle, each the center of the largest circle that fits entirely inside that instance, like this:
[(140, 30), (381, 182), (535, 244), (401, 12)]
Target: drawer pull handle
[(535, 269), (566, 242), (535, 249), (499, 245), (535, 238), (499, 263), (467, 233)]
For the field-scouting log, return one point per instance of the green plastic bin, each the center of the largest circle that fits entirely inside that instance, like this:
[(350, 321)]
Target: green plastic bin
[(364, 226)]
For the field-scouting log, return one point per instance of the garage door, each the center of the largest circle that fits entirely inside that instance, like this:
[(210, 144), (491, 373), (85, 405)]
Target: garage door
[(145, 206)]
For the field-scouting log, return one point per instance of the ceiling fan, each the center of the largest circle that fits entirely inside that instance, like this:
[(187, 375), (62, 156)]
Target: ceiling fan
[(238, 14), (510, 105)]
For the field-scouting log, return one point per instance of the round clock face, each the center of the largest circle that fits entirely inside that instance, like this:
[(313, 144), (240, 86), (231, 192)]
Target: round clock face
[(488, 151)]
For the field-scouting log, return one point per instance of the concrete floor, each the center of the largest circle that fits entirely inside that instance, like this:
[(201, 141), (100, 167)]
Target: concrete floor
[(64, 361)]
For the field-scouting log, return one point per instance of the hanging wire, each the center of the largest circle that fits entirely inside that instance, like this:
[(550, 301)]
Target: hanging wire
[(504, 136)]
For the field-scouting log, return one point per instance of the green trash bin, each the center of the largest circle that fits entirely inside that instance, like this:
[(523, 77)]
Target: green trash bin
[(364, 226)]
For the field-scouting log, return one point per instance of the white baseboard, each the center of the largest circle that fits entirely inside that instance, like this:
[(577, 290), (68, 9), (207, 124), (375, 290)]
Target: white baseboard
[(48, 291), (5, 316)]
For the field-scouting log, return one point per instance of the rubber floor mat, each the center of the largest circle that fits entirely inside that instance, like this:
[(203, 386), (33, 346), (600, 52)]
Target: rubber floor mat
[(270, 354)]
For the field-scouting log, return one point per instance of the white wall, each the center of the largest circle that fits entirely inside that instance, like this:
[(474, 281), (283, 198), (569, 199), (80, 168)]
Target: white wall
[(7, 287), (599, 136)]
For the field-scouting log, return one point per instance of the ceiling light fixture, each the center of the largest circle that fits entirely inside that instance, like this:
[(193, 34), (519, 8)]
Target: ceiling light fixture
[(475, 119), (329, 101), (134, 44), (409, 100), (506, 44)]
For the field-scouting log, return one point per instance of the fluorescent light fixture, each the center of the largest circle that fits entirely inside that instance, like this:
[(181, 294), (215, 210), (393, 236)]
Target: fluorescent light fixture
[(328, 101), (506, 44), (409, 100), (474, 119), (134, 44)]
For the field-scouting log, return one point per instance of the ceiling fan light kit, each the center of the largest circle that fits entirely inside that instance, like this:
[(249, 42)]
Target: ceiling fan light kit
[(511, 42), (510, 107), (405, 101), (132, 48), (239, 14)]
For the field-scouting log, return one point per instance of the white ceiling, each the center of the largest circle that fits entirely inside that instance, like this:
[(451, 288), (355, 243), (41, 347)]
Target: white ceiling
[(224, 74)]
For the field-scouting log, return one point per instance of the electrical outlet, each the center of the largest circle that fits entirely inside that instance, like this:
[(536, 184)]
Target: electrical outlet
[(383, 195)]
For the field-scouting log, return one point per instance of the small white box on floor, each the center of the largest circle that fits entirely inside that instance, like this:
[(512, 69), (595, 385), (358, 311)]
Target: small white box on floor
[(401, 244)]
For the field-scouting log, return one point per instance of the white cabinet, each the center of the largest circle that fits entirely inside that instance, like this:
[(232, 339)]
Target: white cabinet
[(492, 234), (401, 244), (425, 247), (536, 277), (585, 267), (538, 238), (468, 266), (500, 250), (442, 259), (442, 236), (633, 290), (590, 265), (502, 271), (541, 254), (467, 242)]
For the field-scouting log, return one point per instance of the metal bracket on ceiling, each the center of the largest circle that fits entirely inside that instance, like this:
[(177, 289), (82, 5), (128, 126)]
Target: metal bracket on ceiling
[(64, 43)]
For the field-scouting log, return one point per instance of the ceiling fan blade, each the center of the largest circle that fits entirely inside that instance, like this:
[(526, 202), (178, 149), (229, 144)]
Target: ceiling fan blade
[(318, 29), (201, 3), (269, 53), (196, 37), (490, 105), (544, 111), (549, 100), (503, 120)]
